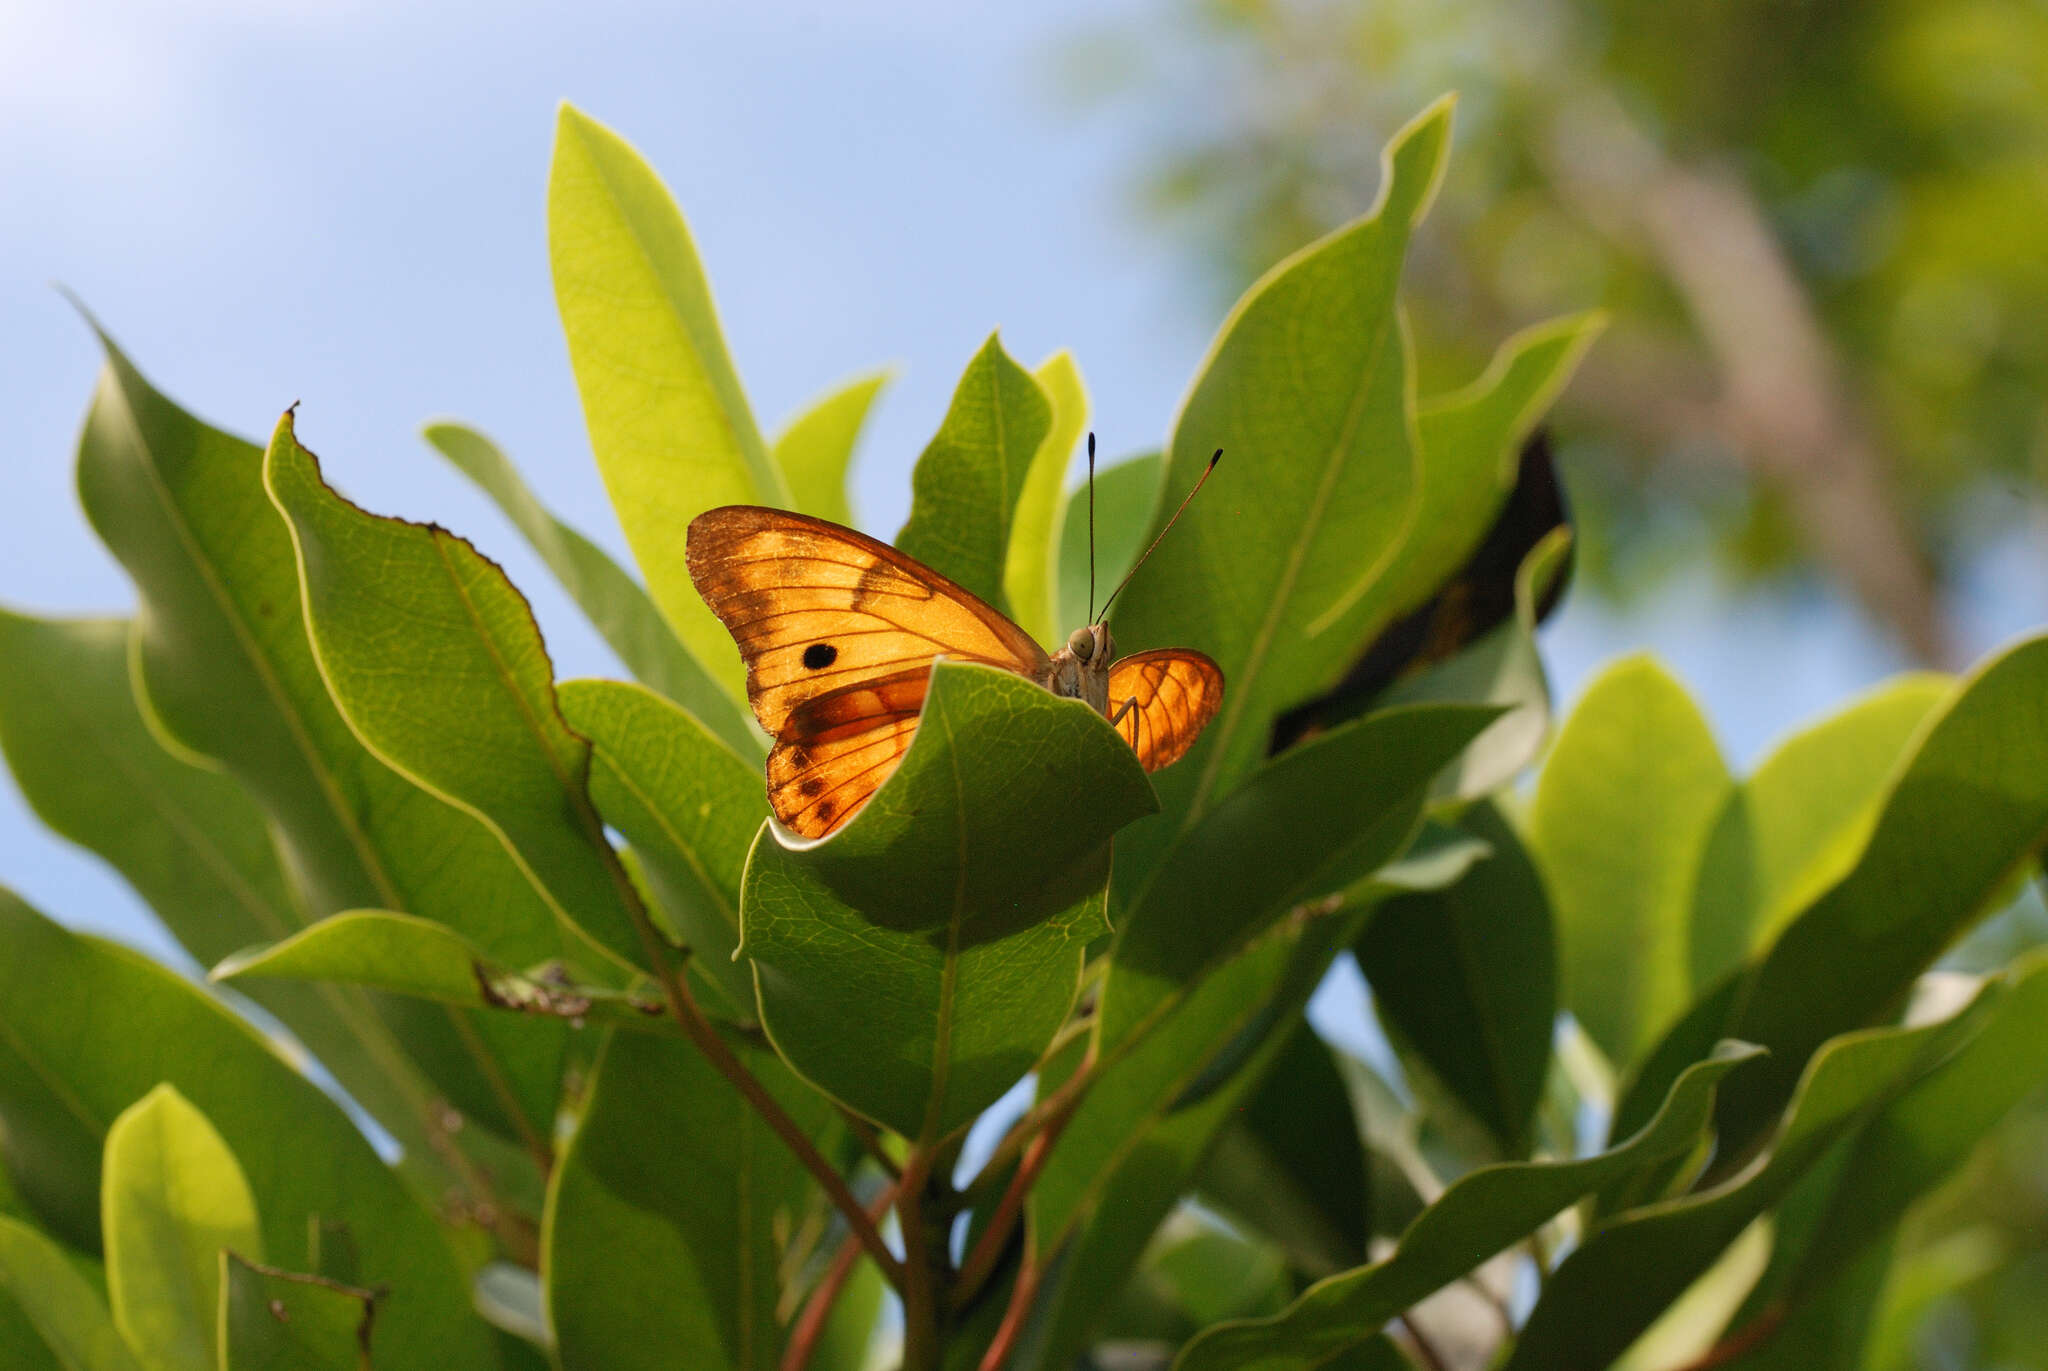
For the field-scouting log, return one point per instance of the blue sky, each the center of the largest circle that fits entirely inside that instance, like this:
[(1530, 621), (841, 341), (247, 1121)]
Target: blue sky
[(339, 202)]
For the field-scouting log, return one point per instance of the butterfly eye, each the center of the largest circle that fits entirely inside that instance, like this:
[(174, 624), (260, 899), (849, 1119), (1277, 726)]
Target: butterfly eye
[(1081, 643)]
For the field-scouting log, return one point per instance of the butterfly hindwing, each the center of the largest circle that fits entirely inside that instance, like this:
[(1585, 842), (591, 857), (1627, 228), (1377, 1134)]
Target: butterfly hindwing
[(836, 749), (1172, 693)]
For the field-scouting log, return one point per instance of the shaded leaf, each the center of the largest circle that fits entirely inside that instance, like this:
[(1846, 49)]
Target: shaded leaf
[(1125, 495), (225, 672), (668, 421), (1465, 980), (67, 1315), (434, 658), (1621, 1278), (914, 964), (409, 956), (612, 600), (1798, 823), (689, 807), (1031, 566), (1340, 807), (90, 1027), (172, 1197), (968, 481), (1621, 817), (1482, 1213), (666, 1216), (189, 839), (1291, 1164), (816, 450), (281, 1321)]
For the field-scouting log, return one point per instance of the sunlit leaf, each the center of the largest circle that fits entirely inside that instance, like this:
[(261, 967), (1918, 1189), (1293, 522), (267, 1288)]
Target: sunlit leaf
[(71, 1322), (816, 450), (1031, 569)]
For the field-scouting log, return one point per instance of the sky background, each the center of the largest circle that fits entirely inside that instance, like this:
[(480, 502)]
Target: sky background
[(340, 203)]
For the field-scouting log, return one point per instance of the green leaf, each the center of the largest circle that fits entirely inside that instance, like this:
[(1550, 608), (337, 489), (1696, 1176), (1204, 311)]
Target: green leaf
[(689, 808), (816, 450), (1031, 569), (67, 1314), (188, 839), (1136, 1142), (1291, 1164), (1615, 1284), (668, 420), (1482, 1213), (1922, 1138), (408, 956), (914, 964), (281, 1321), (1621, 818), (172, 1197), (225, 675), (1965, 813), (612, 600), (969, 479), (88, 1027), (1798, 824), (667, 1215), (1125, 496), (1340, 806), (1465, 980), (1501, 668), (434, 659)]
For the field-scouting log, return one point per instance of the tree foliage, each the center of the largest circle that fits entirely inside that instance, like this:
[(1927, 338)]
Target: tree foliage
[(659, 1074)]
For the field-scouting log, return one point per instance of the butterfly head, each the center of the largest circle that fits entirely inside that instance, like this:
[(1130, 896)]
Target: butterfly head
[(1081, 668)]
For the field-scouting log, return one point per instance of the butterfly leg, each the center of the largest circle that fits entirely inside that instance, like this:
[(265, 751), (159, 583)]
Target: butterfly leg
[(1130, 703)]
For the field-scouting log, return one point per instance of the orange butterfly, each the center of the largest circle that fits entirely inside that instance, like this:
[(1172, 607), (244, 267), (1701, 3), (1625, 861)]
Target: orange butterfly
[(839, 631)]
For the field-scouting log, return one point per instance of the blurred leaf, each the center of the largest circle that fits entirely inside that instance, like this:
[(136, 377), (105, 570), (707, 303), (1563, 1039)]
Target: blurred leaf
[(1340, 806), (1918, 1281), (914, 964), (667, 417), (1031, 567), (434, 658), (1828, 1328), (1621, 816), (1966, 811), (225, 675), (1800, 822), (667, 1214), (1135, 1143), (509, 1298), (689, 807), (172, 1198), (1291, 1164), (418, 957), (1616, 1283), (188, 839), (612, 600), (1307, 387), (1465, 978), (969, 479), (816, 450), (1482, 1213), (1216, 1275), (66, 1313), (1125, 495), (88, 1027), (280, 1321)]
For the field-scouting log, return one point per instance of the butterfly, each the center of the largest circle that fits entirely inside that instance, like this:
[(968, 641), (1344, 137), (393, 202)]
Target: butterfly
[(838, 631)]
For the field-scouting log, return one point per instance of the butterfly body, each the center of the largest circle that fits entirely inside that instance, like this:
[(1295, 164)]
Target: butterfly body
[(838, 632)]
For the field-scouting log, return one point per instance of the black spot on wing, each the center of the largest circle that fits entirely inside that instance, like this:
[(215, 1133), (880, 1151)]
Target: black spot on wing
[(818, 656)]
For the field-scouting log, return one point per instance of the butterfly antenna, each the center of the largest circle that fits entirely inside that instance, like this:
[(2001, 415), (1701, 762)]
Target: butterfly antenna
[(1200, 481), (1091, 526)]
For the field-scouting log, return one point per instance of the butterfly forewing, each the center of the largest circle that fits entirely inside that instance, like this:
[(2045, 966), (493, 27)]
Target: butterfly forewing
[(1173, 693), (815, 608)]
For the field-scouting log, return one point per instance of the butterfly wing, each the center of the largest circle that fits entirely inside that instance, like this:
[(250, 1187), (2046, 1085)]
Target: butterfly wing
[(816, 608), (1171, 693), (836, 750)]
